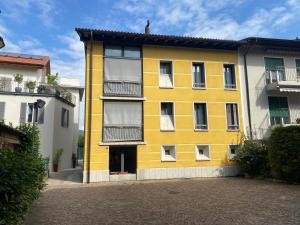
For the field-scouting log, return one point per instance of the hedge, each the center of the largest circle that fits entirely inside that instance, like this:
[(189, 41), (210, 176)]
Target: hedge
[(284, 153), (22, 177)]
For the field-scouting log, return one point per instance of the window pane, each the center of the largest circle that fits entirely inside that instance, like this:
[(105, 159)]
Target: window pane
[(165, 68), (2, 110), (115, 51), (198, 74), (232, 116), (30, 112), (132, 52), (200, 116), (167, 109), (229, 74)]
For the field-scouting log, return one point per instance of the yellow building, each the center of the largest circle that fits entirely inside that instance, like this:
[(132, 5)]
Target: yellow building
[(159, 106)]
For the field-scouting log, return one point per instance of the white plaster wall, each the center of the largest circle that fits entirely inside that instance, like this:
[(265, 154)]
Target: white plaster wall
[(259, 95)]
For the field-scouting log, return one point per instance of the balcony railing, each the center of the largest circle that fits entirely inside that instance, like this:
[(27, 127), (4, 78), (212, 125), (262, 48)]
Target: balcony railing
[(122, 88), (122, 133), (279, 74), (8, 85)]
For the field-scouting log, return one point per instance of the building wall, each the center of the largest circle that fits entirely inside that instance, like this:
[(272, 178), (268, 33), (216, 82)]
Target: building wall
[(185, 138), (258, 92)]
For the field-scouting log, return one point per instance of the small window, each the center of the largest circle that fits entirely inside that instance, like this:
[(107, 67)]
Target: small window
[(132, 52), (167, 116), (229, 75), (166, 75), (232, 116), (168, 153), (32, 113), (113, 51), (232, 151), (64, 117), (200, 115), (198, 75), (2, 111), (202, 152)]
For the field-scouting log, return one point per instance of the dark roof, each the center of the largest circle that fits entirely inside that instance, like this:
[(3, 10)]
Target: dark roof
[(272, 43), (110, 36)]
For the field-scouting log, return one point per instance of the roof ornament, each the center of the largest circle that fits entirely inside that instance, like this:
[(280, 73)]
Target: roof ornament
[(147, 27)]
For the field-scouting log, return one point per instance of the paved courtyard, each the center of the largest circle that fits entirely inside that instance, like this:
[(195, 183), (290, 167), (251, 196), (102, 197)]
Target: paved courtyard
[(190, 201)]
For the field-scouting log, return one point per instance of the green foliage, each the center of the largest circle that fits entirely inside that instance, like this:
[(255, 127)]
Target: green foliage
[(284, 153), (22, 174), (30, 84), (56, 158), (19, 78), (252, 157), (52, 79), (81, 140), (31, 141)]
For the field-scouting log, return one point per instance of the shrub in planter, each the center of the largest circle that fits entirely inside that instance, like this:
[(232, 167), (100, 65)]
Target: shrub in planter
[(19, 80), (56, 158), (31, 86), (41, 88), (252, 157), (284, 153)]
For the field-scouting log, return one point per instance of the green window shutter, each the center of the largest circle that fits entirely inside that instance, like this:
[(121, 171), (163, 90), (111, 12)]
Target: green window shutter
[(278, 106), (298, 63), (273, 63)]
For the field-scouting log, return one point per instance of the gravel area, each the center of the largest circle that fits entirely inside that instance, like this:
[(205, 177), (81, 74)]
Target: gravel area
[(190, 201)]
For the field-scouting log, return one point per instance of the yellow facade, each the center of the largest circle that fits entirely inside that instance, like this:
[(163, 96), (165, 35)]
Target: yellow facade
[(183, 95)]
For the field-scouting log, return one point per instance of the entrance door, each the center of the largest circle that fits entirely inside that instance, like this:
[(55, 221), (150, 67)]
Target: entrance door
[(122, 159)]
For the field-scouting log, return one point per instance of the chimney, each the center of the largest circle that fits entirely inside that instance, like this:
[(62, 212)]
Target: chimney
[(147, 27)]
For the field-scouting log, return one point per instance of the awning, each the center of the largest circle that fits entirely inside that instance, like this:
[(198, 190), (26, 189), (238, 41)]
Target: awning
[(289, 89)]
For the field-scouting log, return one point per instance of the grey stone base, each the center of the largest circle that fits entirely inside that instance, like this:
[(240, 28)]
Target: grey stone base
[(96, 176)]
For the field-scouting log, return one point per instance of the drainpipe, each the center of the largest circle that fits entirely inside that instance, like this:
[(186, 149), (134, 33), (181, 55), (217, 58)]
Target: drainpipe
[(247, 91), (90, 110)]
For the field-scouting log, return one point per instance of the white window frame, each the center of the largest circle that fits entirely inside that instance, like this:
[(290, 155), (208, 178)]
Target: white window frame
[(230, 156), (235, 74), (204, 69), (170, 158), (174, 117), (172, 71), (202, 158), (238, 111), (194, 118)]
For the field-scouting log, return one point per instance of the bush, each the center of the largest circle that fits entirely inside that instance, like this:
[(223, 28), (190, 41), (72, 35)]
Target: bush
[(284, 153), (21, 180), (252, 157), (31, 140)]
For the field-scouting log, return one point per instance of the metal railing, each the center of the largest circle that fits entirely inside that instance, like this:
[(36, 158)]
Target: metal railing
[(8, 85), (282, 74), (122, 88), (122, 133)]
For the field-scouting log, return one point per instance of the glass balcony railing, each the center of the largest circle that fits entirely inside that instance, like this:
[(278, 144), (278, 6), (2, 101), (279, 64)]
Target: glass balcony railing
[(32, 87)]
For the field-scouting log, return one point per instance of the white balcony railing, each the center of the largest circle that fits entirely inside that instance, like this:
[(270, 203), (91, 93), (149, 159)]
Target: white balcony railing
[(279, 74), (8, 85), (113, 133)]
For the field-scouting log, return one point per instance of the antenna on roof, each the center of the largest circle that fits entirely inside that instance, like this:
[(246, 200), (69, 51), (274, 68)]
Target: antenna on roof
[(147, 27)]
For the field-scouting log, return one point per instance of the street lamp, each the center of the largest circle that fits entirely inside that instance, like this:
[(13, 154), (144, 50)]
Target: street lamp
[(1, 42), (36, 105)]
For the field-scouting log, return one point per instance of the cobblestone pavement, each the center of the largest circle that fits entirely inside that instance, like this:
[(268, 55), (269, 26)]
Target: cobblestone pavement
[(190, 201)]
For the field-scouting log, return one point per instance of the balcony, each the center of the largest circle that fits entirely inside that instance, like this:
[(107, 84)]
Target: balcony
[(115, 133), (283, 79), (122, 88), (7, 85)]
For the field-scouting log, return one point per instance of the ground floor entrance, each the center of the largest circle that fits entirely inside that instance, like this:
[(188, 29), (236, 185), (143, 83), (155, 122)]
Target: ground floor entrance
[(122, 162)]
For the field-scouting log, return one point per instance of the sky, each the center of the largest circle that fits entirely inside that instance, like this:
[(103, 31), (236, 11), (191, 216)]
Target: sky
[(46, 27)]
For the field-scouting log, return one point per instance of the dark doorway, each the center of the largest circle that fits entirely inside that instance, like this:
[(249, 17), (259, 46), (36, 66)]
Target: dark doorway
[(122, 159)]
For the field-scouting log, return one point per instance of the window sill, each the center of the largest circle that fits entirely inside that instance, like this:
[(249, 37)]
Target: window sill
[(199, 160), (167, 130), (166, 87), (168, 160), (201, 130), (230, 89), (230, 130)]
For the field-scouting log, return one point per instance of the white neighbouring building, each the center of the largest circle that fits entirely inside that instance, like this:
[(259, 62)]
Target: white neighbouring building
[(270, 84), (58, 120)]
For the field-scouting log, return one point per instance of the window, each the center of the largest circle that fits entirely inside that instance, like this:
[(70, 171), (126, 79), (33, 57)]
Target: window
[(168, 153), (167, 116), (200, 115), (202, 152), (231, 151), (232, 116), (23, 110), (64, 117), (198, 75), (33, 113), (274, 70), (298, 69), (229, 74), (279, 110), (120, 51), (166, 75), (2, 111)]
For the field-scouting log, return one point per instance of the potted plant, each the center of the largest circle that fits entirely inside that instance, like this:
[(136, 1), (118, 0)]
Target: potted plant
[(31, 86), (52, 82), (41, 88), (2, 84), (19, 80), (56, 158), (68, 97), (298, 120)]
